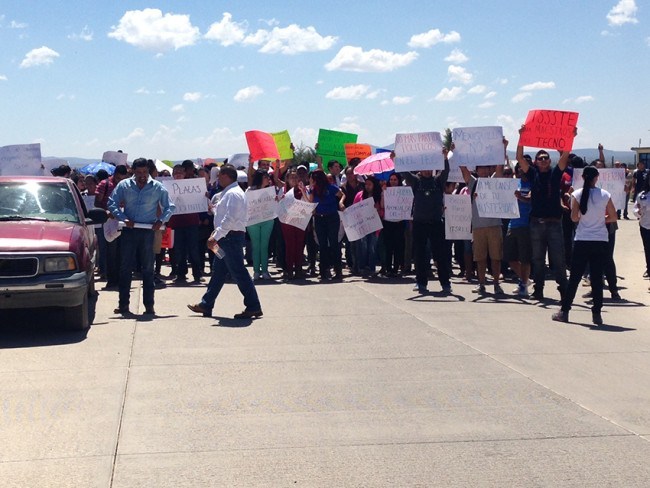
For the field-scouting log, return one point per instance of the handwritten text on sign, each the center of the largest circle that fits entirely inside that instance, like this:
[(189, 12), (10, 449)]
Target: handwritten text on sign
[(20, 159), (331, 145), (477, 146), (550, 129), (261, 205), (398, 203), (361, 219), (115, 157), (361, 151), (296, 213), (418, 151), (495, 197), (610, 179), (458, 217), (187, 195)]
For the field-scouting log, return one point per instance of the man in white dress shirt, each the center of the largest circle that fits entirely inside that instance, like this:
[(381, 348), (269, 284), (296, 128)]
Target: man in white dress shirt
[(228, 242)]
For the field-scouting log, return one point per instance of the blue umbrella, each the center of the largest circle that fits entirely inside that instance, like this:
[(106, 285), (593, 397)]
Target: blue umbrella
[(93, 168)]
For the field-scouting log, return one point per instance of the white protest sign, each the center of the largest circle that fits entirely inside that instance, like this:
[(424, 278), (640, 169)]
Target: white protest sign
[(188, 195), (398, 203), (609, 179), (261, 205), (239, 160), (115, 157), (458, 217), (21, 160), (112, 229), (455, 174), (495, 197), (89, 200), (361, 219), (477, 146), (295, 212), (418, 151)]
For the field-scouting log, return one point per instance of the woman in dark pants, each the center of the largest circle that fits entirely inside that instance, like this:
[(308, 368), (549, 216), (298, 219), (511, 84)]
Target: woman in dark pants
[(330, 199), (592, 209)]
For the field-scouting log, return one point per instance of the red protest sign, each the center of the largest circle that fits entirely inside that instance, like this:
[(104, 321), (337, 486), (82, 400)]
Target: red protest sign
[(550, 129), (361, 151), (261, 145)]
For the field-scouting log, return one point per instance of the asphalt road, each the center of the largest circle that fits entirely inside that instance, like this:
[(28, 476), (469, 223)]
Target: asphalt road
[(349, 384)]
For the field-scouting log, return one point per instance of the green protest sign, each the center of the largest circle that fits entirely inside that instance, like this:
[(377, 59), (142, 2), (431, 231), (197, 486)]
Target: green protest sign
[(283, 142), (331, 145)]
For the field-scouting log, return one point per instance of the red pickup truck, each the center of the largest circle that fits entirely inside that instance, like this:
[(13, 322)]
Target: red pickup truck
[(47, 247)]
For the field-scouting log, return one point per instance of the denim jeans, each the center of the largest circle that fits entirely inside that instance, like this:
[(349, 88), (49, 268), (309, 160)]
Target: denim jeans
[(366, 253), (595, 254), (232, 263), (543, 236), (186, 245), (136, 244)]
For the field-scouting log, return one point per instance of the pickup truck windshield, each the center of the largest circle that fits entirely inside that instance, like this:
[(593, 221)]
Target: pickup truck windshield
[(37, 201)]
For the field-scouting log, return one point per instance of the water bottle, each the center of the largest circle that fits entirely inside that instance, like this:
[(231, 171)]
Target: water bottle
[(220, 253)]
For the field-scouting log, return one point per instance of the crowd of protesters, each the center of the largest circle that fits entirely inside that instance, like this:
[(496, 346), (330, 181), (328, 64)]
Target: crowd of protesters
[(555, 232)]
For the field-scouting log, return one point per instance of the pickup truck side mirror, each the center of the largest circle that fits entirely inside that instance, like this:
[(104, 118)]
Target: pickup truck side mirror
[(96, 216)]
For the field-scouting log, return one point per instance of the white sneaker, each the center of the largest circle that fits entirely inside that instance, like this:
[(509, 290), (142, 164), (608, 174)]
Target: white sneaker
[(266, 276)]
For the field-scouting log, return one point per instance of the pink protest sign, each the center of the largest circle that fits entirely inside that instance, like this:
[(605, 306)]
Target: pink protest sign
[(261, 145), (550, 129)]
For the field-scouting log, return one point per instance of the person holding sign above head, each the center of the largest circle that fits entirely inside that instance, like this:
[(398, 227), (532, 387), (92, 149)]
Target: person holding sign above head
[(428, 226), (545, 215), (592, 209), (227, 241), (487, 232), (330, 200)]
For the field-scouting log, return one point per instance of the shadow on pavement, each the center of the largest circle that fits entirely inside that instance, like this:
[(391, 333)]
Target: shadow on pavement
[(36, 328)]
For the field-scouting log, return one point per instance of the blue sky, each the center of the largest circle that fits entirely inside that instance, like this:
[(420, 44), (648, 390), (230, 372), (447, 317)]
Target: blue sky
[(176, 80)]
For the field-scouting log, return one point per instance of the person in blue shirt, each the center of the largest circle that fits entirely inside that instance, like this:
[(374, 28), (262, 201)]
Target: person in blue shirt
[(143, 204), (517, 247)]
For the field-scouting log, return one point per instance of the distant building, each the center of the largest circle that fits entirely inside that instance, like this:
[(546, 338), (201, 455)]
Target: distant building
[(642, 155)]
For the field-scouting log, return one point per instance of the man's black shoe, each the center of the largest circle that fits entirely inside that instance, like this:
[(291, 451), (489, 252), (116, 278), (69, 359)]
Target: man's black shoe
[(249, 314), (149, 311), (198, 308), (122, 310)]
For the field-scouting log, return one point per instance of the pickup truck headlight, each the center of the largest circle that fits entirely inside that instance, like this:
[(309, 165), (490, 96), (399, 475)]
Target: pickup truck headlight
[(59, 263)]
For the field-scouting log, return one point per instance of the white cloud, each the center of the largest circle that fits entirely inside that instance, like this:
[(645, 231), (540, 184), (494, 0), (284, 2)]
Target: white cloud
[(226, 31), (178, 108), (623, 13), (3, 78), (151, 30), (457, 57), (182, 119), (351, 58), (539, 85), (375, 93), (304, 135), (39, 56), (351, 127), (459, 74), (17, 25), (449, 94), (142, 91), (520, 97), (647, 41), (352, 92), (433, 37), (502, 81), (579, 100), (292, 39), (85, 35), (160, 92), (486, 105), (192, 96), (270, 22), (137, 133), (477, 89), (283, 89), (401, 100), (63, 96), (219, 137), (489, 95), (248, 94), (233, 68)]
